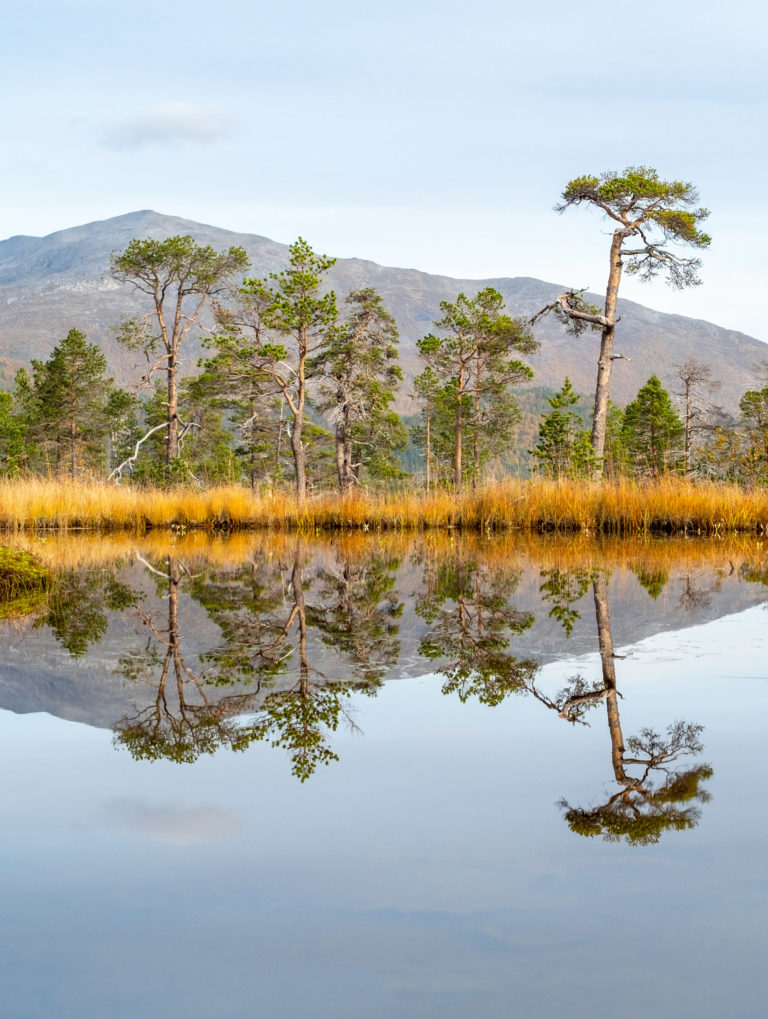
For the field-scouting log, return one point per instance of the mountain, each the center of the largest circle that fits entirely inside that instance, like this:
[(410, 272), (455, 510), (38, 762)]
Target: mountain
[(49, 285)]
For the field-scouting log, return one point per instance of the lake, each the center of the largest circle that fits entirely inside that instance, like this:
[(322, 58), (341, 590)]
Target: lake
[(386, 777)]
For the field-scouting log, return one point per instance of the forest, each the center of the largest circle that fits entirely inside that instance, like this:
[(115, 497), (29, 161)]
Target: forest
[(295, 394)]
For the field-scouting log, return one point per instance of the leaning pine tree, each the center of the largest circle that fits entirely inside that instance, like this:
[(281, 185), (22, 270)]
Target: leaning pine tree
[(649, 216)]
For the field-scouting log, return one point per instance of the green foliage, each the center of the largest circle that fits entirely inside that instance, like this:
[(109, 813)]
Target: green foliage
[(652, 432), (289, 304), (359, 372), (654, 581), (563, 588), (564, 449), (179, 276), (641, 811), (651, 210), (77, 607), (466, 384), (71, 411), (177, 266), (14, 446), (467, 607), (753, 458), (24, 581)]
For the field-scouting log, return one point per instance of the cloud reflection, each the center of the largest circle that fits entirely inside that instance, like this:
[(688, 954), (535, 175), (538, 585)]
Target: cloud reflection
[(174, 826)]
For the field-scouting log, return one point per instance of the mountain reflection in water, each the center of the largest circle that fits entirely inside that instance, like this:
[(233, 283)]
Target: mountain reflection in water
[(264, 639)]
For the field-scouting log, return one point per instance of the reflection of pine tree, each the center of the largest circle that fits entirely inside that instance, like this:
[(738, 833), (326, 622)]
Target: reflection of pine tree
[(78, 603), (183, 721), (467, 605), (563, 588), (300, 718), (358, 611), (641, 811), (265, 622)]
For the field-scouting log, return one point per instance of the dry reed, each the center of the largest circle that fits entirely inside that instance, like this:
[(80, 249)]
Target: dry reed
[(669, 506)]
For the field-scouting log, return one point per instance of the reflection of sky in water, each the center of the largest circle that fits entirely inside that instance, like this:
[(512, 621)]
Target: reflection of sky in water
[(429, 873)]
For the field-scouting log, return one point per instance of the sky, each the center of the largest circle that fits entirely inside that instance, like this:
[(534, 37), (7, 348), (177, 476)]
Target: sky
[(423, 134)]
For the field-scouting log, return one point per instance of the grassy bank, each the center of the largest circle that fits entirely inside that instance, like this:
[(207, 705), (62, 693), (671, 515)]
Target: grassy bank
[(669, 506)]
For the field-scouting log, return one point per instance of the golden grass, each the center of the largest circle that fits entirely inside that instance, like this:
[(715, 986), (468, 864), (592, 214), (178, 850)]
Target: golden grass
[(669, 506)]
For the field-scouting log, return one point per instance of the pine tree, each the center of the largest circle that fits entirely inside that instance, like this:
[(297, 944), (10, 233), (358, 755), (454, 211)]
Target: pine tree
[(754, 413), (180, 277), (359, 374), (563, 449), (290, 306), (471, 358)]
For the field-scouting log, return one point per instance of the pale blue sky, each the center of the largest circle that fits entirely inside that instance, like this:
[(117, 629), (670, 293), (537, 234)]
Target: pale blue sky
[(426, 134)]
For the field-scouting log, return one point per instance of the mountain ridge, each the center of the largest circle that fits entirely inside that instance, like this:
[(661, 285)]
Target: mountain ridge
[(51, 284)]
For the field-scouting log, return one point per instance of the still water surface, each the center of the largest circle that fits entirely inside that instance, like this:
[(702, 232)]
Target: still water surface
[(432, 778)]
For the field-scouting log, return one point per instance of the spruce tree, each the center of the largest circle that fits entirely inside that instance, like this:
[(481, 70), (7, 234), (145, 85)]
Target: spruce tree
[(652, 431), (563, 449), (73, 407)]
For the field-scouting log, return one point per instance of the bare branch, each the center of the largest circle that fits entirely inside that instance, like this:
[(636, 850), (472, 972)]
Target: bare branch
[(117, 473)]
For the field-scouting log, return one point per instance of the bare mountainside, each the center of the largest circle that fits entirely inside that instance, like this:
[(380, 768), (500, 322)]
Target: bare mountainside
[(49, 285)]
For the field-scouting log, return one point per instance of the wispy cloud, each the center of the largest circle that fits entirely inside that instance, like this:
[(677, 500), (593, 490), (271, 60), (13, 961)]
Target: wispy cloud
[(170, 122)]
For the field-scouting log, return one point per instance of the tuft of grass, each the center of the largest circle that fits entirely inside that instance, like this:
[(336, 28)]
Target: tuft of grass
[(24, 581)]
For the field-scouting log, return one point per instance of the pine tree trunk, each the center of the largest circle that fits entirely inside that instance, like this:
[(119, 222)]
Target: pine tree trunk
[(605, 362), (457, 468), (688, 428), (172, 441), (72, 448), (297, 446), (428, 442)]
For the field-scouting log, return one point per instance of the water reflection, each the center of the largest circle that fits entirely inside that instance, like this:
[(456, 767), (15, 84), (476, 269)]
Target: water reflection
[(77, 607), (265, 639), (182, 721), (264, 611), (651, 801), (472, 623)]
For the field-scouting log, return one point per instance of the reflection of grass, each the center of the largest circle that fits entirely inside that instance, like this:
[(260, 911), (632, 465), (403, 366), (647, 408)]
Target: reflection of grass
[(669, 505), (23, 582), (745, 554)]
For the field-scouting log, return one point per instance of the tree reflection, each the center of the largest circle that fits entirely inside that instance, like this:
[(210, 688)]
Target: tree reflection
[(563, 588), (467, 606), (266, 625), (359, 611), (77, 606), (182, 722), (300, 718), (655, 797)]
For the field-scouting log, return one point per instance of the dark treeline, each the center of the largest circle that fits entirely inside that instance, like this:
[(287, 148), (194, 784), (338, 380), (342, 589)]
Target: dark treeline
[(298, 385)]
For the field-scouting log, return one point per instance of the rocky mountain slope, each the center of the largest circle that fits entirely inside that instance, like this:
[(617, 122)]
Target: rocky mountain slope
[(51, 284)]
